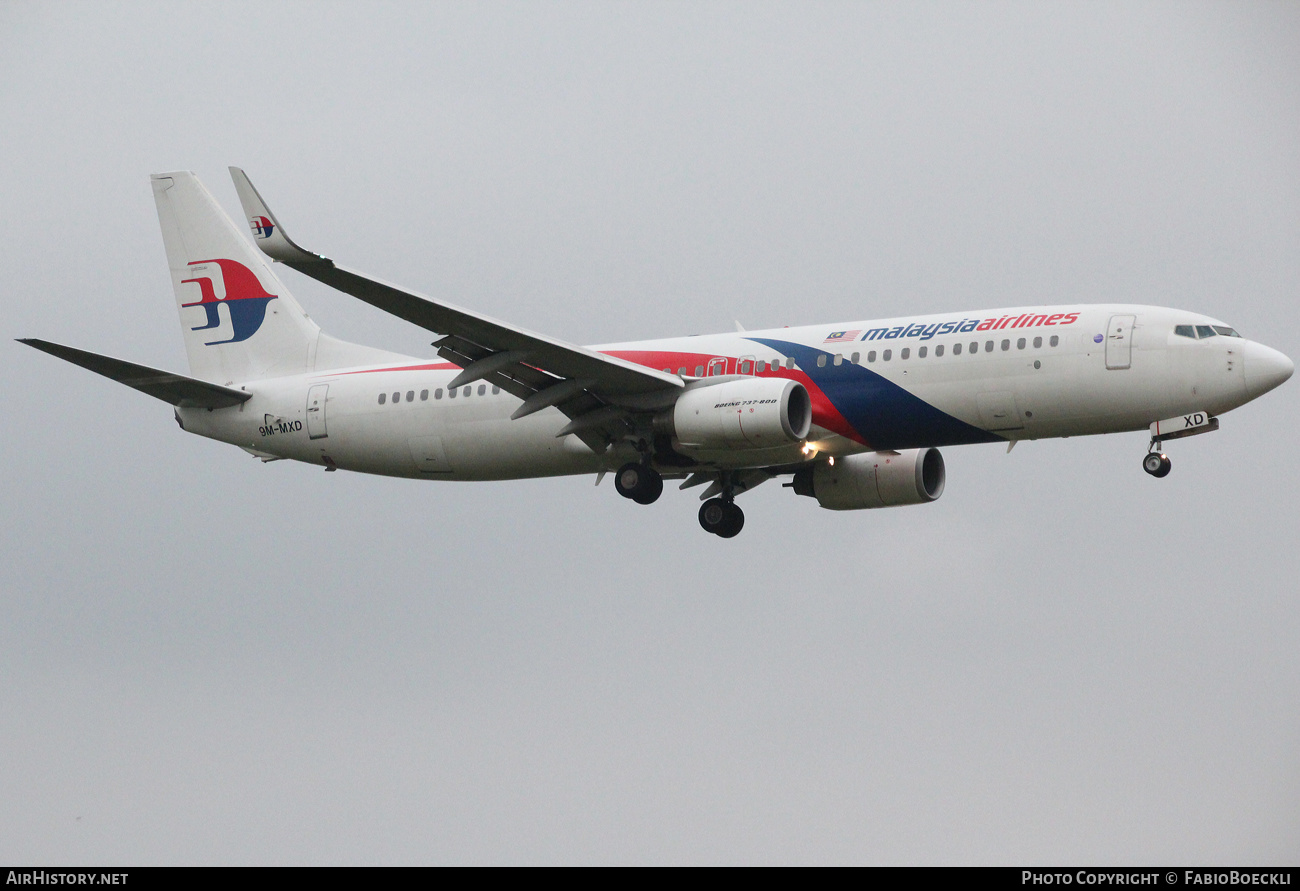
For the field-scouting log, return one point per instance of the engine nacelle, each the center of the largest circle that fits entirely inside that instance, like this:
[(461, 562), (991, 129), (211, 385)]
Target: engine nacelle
[(756, 412), (874, 479)]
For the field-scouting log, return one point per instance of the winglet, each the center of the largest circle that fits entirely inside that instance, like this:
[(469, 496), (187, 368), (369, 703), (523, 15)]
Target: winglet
[(268, 234)]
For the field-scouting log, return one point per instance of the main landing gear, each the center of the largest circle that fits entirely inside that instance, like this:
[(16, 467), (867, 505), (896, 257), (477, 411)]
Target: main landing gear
[(640, 482), (1157, 463), (722, 517), (643, 484)]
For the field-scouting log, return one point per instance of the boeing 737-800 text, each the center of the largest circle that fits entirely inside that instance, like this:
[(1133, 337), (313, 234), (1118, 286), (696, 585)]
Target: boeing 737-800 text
[(853, 413)]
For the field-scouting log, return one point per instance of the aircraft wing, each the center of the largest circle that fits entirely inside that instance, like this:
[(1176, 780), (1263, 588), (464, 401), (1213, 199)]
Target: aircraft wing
[(541, 370), (175, 389)]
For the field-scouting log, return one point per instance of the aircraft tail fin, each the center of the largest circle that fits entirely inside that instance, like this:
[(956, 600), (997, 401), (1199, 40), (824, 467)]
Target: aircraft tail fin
[(238, 320)]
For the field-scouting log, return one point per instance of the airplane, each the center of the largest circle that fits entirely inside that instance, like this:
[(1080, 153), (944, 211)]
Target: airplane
[(854, 414)]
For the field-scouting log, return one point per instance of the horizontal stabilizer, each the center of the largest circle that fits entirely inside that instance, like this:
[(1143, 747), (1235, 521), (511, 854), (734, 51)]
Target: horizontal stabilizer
[(175, 389)]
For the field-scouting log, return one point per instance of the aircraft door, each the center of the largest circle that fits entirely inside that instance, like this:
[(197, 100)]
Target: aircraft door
[(1119, 342), (316, 399)]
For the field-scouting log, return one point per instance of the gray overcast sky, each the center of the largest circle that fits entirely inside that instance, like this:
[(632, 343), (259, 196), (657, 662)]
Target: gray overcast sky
[(208, 660)]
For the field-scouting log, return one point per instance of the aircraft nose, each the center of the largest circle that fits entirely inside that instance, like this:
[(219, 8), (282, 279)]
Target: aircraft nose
[(1266, 368)]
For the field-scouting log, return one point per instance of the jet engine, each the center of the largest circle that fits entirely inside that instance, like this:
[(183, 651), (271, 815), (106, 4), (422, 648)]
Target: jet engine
[(874, 479), (755, 412)]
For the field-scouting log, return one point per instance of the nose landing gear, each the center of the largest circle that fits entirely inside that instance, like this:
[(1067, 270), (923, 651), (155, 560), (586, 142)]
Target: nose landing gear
[(1157, 463)]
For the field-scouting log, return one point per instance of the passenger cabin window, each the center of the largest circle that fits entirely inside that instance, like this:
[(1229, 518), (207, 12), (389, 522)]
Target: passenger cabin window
[(938, 351), (1185, 331), (1055, 340), (975, 346), (1038, 343), (699, 371), (956, 349), (383, 397), (467, 391), (821, 361), (1006, 345), (482, 389), (437, 394), (907, 351), (1204, 331), (920, 354), (839, 360), (1020, 344), (397, 397), (495, 390), (855, 358), (871, 356), (424, 395), (887, 355), (451, 393), (682, 372), (789, 362), (410, 395)]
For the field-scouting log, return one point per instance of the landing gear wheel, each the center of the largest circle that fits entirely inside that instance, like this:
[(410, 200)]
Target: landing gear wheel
[(734, 522), (642, 484), (712, 514), (1157, 464), (652, 488), (722, 518), (627, 479)]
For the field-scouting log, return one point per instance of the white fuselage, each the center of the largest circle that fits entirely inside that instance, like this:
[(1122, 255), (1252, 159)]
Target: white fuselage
[(997, 375)]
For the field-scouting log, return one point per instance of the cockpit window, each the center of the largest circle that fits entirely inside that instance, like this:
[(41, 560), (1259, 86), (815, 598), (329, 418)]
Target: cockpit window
[(1204, 331)]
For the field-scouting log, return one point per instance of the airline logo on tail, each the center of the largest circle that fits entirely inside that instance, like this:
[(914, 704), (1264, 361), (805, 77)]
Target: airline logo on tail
[(245, 300), (261, 226)]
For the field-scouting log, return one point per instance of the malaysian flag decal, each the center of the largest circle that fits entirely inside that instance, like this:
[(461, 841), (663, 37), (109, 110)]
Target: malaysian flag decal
[(841, 336)]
